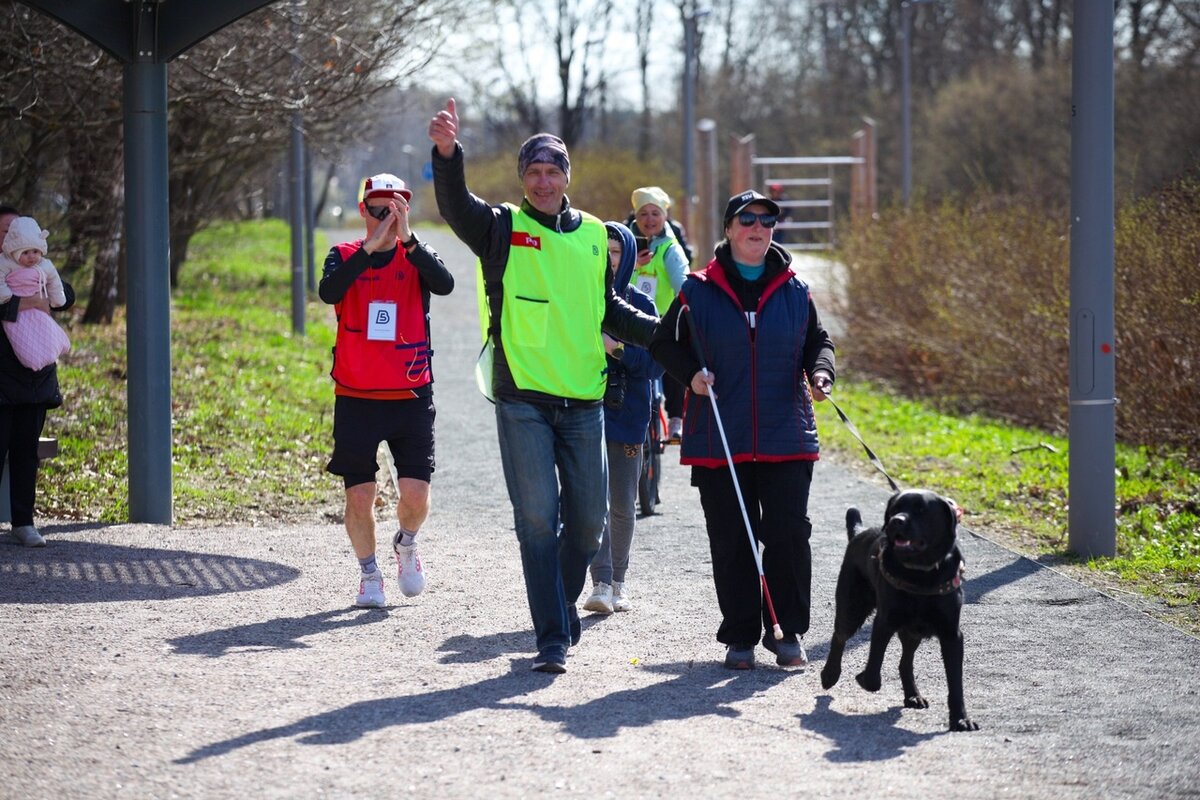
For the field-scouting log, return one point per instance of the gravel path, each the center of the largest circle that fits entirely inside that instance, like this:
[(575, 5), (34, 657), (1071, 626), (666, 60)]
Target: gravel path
[(147, 661)]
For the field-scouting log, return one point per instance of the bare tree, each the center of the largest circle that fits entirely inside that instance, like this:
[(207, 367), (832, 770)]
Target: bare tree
[(643, 35), (1158, 31), (579, 37), (235, 96), (529, 44), (64, 130), (231, 101)]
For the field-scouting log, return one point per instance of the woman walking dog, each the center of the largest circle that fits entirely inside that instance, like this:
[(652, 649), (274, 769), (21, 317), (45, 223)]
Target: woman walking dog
[(751, 334)]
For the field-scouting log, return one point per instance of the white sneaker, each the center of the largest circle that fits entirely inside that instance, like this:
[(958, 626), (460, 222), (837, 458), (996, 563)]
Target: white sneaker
[(410, 573), (370, 591), (601, 599), (620, 598)]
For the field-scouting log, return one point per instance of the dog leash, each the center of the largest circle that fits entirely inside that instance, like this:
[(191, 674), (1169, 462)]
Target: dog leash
[(854, 432)]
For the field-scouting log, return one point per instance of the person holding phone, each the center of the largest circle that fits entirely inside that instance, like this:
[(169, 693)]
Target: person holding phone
[(380, 288), (659, 272)]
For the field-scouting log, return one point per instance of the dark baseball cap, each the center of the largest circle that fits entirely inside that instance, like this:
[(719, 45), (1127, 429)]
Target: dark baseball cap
[(738, 203)]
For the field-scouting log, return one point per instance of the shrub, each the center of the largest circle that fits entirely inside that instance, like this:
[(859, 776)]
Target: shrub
[(1158, 317), (601, 180), (968, 305)]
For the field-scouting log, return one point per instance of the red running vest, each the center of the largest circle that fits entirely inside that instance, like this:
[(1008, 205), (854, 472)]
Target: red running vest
[(378, 369)]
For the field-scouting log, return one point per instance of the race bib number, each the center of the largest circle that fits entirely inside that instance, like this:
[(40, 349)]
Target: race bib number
[(381, 322), (647, 284)]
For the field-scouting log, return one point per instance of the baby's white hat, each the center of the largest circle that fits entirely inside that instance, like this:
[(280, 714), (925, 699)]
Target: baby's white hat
[(25, 234)]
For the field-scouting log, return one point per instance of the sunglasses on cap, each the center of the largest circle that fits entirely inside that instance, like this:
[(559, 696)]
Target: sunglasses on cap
[(747, 218), (378, 212)]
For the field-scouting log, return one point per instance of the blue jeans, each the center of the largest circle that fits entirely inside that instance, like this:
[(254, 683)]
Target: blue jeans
[(543, 447)]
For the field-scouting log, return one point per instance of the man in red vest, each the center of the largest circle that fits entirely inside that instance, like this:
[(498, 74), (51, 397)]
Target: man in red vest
[(380, 288)]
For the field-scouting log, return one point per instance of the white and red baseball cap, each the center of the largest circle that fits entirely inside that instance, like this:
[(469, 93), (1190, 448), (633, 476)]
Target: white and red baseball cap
[(385, 185)]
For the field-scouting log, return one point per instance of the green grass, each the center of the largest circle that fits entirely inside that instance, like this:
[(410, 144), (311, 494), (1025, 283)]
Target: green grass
[(251, 403), (1014, 481), (252, 432)]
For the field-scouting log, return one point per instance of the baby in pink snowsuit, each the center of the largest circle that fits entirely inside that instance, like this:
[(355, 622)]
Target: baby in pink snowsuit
[(25, 271)]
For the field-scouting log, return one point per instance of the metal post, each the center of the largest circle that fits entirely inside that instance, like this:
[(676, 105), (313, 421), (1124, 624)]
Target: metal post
[(741, 164), (148, 326), (1092, 480), (906, 97), (905, 102), (707, 212), (306, 202), (296, 200), (408, 176), (872, 172)]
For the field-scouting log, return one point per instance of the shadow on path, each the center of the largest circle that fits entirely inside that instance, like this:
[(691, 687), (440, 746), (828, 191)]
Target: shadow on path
[(94, 572), (975, 587), (861, 737), (352, 722), (284, 633), (692, 692), (467, 648)]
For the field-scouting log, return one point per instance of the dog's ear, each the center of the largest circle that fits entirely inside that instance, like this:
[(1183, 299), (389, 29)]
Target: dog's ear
[(954, 510), (887, 511)]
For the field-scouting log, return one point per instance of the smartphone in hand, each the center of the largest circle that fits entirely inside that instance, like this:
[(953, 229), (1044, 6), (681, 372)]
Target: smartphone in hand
[(642, 243)]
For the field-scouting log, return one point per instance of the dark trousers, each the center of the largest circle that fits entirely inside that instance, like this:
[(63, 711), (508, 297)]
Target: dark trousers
[(776, 498), (20, 428), (672, 396)]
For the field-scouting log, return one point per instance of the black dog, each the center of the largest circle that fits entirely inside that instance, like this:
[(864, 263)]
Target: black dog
[(910, 573)]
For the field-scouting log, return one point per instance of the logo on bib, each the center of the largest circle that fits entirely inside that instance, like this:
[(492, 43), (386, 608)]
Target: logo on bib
[(520, 239)]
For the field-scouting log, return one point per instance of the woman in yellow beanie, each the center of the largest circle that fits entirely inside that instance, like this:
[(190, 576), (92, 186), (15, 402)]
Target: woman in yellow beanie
[(660, 270)]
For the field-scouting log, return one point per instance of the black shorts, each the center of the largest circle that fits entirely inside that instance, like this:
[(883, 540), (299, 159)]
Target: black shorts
[(359, 426)]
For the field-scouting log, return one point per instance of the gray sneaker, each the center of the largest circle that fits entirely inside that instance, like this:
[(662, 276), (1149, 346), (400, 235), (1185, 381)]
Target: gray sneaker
[(551, 659), (739, 656), (789, 651), (28, 536)]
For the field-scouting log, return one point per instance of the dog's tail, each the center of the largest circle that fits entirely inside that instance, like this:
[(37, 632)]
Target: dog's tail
[(853, 522)]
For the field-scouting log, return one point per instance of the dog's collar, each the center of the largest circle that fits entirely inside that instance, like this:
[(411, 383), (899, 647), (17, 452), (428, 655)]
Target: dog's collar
[(945, 587)]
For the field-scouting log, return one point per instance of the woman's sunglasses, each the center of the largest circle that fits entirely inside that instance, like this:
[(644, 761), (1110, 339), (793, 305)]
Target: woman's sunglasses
[(746, 219), (378, 212)]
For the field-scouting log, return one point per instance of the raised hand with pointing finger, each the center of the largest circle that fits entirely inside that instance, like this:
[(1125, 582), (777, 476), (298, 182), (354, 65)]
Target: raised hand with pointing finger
[(544, 266), (443, 129)]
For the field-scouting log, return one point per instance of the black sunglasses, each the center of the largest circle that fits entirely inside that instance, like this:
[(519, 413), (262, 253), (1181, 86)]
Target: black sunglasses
[(746, 218), (378, 212)]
